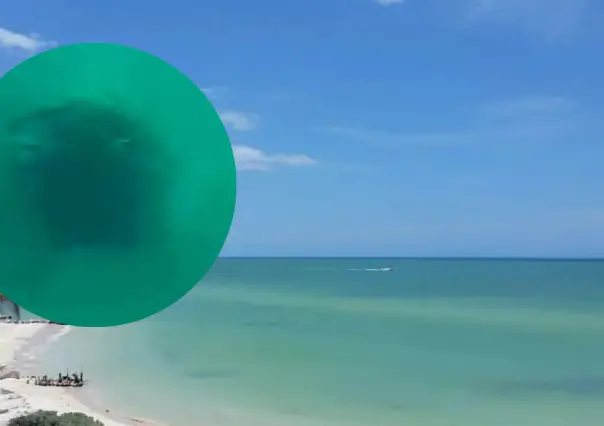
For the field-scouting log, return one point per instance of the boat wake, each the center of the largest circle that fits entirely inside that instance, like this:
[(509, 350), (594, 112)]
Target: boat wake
[(389, 269)]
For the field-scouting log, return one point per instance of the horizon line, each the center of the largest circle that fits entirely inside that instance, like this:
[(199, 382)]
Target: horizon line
[(418, 257)]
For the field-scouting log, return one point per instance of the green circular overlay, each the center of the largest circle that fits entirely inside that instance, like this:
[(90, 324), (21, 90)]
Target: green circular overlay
[(117, 185)]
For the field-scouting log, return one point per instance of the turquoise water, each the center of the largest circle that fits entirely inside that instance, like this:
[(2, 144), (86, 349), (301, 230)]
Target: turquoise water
[(264, 342)]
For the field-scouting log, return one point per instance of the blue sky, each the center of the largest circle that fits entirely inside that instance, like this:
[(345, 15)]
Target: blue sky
[(360, 127)]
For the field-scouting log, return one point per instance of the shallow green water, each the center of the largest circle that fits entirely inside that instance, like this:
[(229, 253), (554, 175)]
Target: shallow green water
[(324, 342)]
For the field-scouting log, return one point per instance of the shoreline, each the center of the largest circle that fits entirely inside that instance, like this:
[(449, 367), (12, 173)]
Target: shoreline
[(21, 345)]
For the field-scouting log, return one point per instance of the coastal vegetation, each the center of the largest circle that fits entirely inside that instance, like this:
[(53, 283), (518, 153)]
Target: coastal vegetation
[(52, 418)]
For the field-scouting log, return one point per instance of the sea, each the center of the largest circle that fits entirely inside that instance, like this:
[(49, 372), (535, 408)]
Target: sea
[(333, 342)]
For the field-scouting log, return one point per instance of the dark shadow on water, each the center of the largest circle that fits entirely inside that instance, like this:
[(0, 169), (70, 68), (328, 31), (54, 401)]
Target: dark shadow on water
[(206, 375), (578, 386), (262, 324)]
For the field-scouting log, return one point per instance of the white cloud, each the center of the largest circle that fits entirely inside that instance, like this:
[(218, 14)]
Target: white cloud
[(531, 105), (26, 43), (214, 92), (387, 2), (252, 159), (550, 18), (382, 137), (534, 119), (240, 121)]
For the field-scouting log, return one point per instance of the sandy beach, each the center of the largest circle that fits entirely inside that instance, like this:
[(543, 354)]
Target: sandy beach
[(20, 344)]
